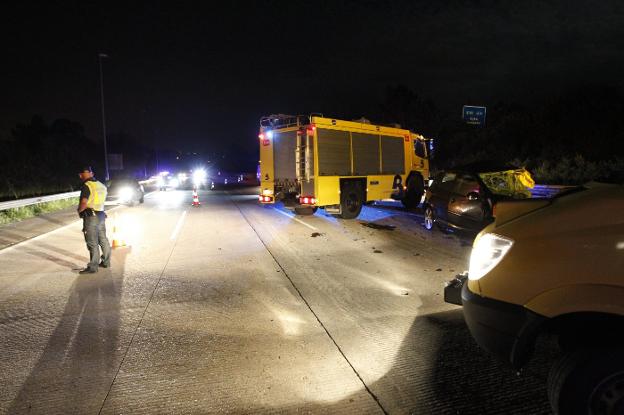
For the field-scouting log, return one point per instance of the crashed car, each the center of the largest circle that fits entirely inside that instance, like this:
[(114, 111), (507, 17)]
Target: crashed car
[(464, 198)]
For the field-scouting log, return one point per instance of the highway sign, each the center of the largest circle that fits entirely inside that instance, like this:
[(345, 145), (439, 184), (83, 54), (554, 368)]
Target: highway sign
[(474, 115)]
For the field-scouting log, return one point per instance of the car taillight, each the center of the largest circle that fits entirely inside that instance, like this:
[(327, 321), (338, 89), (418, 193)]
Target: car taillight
[(265, 199)]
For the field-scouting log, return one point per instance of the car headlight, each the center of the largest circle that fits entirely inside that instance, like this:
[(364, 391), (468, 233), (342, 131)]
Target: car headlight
[(125, 193), (199, 176), (489, 250)]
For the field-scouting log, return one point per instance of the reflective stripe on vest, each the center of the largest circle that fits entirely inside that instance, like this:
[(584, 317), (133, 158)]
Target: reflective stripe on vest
[(97, 195)]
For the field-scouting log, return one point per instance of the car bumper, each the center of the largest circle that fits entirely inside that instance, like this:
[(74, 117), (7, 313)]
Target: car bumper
[(507, 331)]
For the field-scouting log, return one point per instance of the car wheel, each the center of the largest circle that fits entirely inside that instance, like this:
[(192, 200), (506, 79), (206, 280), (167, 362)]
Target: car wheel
[(588, 381), (429, 219), (142, 199)]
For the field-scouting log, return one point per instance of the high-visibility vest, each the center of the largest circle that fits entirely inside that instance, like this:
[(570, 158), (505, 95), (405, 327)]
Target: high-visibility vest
[(97, 195)]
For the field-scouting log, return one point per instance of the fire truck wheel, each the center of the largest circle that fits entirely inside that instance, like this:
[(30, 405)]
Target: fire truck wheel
[(351, 201), (306, 211), (415, 190)]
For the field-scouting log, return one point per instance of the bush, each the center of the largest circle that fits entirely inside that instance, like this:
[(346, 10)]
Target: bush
[(17, 214), (574, 170)]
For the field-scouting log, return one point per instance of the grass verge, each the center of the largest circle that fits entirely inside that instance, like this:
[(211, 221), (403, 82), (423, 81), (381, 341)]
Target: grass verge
[(18, 214)]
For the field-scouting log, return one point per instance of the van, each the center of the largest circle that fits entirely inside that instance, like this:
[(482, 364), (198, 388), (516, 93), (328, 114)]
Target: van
[(554, 267)]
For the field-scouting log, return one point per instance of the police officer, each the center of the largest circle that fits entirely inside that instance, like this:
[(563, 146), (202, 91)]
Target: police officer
[(91, 210)]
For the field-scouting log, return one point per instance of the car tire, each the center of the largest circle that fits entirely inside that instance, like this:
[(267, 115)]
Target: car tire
[(588, 381), (351, 200), (414, 193), (429, 218), (142, 199)]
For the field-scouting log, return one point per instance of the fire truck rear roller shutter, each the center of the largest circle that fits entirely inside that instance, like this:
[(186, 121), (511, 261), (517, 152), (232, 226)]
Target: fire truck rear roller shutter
[(284, 144)]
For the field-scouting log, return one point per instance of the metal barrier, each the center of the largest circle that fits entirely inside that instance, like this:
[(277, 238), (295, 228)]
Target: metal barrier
[(547, 191), (539, 190), (13, 204)]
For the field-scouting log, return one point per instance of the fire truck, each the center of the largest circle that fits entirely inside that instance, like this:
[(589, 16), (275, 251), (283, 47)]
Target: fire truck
[(309, 161)]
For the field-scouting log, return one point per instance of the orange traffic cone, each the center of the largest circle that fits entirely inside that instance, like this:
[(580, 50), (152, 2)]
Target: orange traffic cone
[(117, 239), (195, 198)]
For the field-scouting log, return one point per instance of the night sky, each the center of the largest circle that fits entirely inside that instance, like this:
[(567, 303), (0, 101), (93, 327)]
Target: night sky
[(196, 76)]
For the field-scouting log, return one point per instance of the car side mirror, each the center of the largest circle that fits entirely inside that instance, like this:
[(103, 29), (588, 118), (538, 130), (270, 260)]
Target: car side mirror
[(473, 196)]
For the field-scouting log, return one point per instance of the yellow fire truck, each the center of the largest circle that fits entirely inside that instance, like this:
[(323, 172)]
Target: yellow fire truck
[(312, 161)]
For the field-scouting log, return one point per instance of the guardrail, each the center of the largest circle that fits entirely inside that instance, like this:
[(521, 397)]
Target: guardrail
[(548, 191), (12, 204), (540, 190)]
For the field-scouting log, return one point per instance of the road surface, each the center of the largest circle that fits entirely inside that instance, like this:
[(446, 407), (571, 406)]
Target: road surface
[(234, 307)]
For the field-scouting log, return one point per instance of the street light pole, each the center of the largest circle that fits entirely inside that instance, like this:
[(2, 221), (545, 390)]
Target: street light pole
[(100, 56)]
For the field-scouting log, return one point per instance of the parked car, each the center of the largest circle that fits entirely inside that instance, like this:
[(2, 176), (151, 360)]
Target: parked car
[(125, 191), (464, 198), (554, 267)]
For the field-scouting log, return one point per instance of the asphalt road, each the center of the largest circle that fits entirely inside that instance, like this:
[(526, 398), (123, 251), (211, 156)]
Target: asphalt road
[(233, 307)]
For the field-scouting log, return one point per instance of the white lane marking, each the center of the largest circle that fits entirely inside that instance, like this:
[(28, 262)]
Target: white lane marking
[(26, 241), (298, 220), (174, 235)]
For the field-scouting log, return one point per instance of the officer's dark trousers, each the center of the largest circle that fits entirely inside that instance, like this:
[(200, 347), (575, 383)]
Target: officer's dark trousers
[(94, 229)]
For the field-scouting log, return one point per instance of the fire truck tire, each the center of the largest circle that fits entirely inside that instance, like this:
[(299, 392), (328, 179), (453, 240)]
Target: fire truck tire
[(306, 211), (351, 201), (415, 190)]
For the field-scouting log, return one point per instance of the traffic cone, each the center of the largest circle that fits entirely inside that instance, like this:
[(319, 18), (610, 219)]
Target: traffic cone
[(195, 198), (117, 239)]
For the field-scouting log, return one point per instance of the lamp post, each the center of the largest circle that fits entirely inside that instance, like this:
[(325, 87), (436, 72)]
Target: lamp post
[(100, 56)]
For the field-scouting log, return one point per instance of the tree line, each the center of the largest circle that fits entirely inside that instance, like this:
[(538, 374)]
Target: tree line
[(40, 158), (570, 138)]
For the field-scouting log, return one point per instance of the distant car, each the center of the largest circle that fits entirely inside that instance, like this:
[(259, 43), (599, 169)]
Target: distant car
[(554, 267), (125, 191), (464, 198), (168, 181)]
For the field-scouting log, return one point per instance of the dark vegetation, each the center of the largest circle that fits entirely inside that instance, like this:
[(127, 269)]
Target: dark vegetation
[(571, 138), (40, 158)]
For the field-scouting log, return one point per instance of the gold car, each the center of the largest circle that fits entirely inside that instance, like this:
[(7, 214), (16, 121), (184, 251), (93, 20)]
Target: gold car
[(554, 266)]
